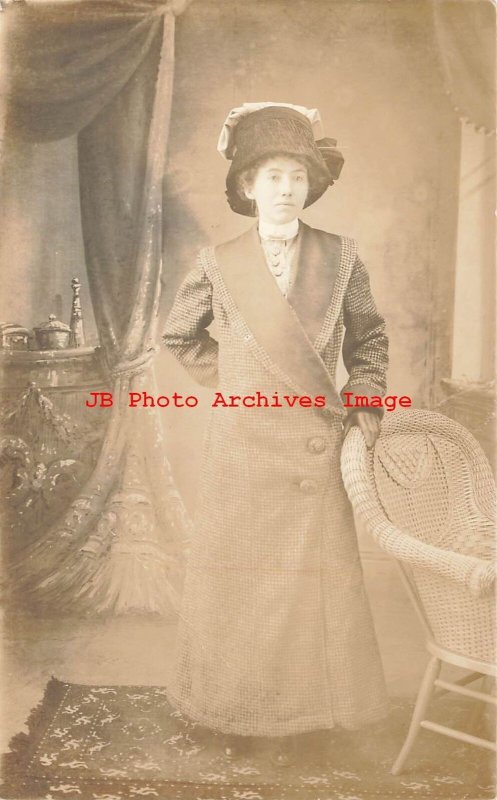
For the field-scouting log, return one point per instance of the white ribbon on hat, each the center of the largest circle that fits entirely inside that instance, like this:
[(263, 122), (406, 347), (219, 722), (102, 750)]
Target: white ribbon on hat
[(226, 145)]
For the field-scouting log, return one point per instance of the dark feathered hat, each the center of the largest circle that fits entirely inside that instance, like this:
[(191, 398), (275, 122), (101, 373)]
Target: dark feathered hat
[(261, 130)]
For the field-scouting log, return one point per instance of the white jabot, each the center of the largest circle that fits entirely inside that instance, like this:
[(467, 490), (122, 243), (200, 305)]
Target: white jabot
[(287, 230), (278, 243)]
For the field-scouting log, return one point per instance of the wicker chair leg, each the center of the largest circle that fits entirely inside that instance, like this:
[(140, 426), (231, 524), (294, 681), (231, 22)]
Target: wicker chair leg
[(425, 691), (475, 718), (478, 717)]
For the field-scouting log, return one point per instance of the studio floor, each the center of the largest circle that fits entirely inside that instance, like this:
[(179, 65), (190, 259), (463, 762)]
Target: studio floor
[(136, 650)]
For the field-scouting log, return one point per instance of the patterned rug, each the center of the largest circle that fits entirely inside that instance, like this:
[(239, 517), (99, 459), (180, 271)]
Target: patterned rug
[(126, 743)]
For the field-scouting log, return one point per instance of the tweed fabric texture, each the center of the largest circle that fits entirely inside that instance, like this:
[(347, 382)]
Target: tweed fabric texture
[(275, 633)]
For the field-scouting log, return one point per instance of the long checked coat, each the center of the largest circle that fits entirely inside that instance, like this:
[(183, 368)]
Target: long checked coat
[(275, 633)]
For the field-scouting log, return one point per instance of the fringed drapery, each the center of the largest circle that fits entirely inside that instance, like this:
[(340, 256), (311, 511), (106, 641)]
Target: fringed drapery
[(104, 71), (465, 32)]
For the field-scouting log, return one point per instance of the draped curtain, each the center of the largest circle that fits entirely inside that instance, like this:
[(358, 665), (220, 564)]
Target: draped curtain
[(104, 71), (465, 34)]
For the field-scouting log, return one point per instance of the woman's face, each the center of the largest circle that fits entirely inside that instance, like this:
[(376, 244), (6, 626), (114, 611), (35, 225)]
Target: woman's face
[(279, 189)]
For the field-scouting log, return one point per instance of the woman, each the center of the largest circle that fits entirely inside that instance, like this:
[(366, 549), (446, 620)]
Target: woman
[(275, 635)]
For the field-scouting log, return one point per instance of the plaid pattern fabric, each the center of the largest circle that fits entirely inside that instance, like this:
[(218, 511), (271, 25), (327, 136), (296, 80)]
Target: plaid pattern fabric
[(275, 633)]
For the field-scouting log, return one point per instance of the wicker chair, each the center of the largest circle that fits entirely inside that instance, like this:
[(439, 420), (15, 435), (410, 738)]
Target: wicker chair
[(426, 494)]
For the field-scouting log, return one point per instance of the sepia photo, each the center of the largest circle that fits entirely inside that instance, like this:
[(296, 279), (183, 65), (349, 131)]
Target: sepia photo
[(247, 337)]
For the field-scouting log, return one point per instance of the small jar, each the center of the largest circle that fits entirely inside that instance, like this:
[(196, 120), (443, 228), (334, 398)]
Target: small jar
[(52, 335), (13, 336)]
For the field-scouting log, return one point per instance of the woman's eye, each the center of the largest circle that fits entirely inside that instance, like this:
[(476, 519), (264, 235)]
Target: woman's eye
[(300, 178)]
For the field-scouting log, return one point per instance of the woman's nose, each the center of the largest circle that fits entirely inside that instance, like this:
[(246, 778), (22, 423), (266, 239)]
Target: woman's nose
[(286, 186)]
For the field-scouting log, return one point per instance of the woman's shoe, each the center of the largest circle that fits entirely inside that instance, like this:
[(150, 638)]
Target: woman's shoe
[(234, 746), (231, 751), (285, 752)]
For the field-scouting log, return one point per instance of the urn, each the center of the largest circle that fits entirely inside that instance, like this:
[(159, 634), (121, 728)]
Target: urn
[(52, 335)]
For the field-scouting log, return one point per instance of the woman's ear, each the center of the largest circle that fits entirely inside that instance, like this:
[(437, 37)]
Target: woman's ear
[(248, 192)]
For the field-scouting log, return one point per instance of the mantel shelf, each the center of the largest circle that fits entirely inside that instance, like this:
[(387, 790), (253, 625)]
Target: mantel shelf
[(51, 369), (47, 356)]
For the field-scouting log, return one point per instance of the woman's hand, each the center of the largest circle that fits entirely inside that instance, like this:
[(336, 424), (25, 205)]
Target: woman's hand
[(368, 423)]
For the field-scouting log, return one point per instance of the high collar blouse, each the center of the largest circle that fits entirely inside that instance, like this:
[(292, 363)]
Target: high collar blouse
[(279, 243)]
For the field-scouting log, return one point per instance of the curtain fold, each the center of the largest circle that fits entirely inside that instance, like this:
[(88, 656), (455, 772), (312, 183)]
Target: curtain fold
[(465, 31), (120, 175), (65, 62), (105, 72)]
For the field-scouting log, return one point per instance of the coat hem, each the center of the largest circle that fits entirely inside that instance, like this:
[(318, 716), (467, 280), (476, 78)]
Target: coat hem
[(303, 725)]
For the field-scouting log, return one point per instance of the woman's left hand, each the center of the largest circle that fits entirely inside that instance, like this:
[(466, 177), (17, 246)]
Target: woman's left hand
[(367, 422)]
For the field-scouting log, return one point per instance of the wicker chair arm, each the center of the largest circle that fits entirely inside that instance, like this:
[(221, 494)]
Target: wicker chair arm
[(473, 573)]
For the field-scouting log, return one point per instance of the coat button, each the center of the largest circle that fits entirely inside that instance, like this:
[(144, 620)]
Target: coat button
[(308, 487), (316, 445)]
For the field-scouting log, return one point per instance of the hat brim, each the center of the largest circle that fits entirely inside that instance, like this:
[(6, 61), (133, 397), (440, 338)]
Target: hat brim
[(247, 208)]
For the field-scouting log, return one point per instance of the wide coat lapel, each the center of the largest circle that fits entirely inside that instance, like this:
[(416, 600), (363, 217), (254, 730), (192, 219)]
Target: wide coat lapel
[(272, 319), (318, 263)]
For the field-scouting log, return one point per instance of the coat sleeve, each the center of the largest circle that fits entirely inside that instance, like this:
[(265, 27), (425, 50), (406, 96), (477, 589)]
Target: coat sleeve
[(365, 344), (185, 333)]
